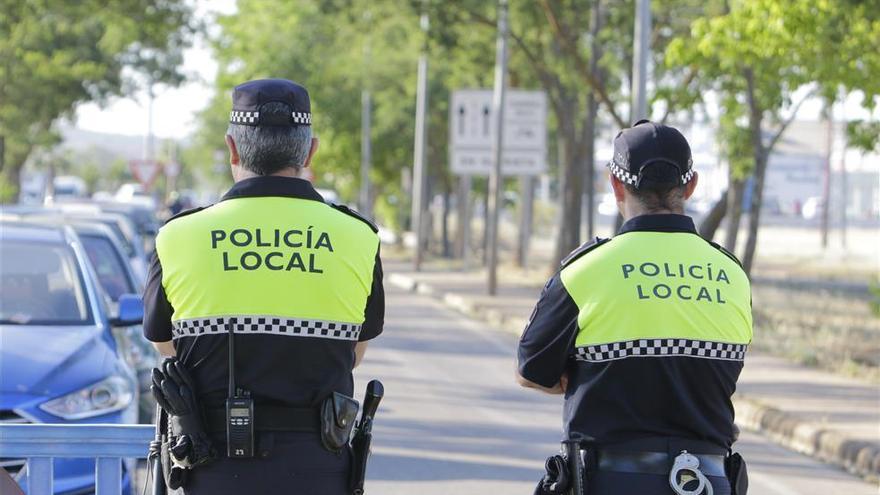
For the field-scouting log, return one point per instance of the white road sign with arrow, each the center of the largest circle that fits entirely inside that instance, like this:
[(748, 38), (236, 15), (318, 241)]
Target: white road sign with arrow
[(471, 129)]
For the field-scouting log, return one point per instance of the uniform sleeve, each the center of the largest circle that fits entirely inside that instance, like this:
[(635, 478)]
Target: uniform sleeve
[(549, 337), (157, 309), (374, 313)]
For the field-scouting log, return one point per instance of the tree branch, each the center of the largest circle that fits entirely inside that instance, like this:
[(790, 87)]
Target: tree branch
[(548, 79), (789, 120), (582, 69)]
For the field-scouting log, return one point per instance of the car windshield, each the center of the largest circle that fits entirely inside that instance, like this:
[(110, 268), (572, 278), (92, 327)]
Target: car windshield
[(126, 241), (40, 284), (108, 265)]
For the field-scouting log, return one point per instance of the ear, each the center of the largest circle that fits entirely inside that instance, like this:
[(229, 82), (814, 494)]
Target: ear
[(691, 186), (312, 151), (233, 151), (618, 187)]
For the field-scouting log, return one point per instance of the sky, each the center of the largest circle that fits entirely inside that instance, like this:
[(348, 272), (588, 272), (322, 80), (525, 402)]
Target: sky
[(175, 109)]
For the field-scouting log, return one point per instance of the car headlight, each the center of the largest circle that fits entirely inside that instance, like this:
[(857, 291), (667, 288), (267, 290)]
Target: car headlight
[(109, 395)]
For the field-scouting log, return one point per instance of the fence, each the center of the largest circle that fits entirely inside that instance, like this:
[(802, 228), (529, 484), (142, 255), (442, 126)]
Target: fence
[(107, 444)]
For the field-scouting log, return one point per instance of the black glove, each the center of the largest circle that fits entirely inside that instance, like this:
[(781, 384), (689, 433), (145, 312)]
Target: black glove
[(175, 392)]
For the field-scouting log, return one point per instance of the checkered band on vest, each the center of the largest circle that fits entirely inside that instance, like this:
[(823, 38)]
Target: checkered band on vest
[(662, 348), (253, 118), (271, 325)]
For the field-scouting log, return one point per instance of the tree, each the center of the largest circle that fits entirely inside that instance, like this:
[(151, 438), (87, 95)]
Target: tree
[(550, 50), (55, 55), (756, 57)]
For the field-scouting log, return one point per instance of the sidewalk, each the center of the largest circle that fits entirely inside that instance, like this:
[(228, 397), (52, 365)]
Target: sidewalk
[(832, 418)]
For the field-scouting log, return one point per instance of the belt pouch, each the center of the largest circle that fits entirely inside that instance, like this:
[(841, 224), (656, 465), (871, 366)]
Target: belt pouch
[(338, 414), (737, 474)]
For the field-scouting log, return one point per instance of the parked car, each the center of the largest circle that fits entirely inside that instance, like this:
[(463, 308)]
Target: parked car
[(59, 361), (116, 278), (124, 229)]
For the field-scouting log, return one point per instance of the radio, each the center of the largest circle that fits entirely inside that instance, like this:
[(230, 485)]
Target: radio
[(239, 411), (240, 427)]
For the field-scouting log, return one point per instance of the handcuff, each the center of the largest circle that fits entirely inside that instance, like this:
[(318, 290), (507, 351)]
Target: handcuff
[(688, 463)]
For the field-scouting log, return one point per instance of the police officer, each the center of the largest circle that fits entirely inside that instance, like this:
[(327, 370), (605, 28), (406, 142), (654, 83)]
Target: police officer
[(296, 281), (645, 334)]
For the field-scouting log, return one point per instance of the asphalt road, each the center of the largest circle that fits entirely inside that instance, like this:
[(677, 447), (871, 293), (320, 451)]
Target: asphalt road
[(454, 421)]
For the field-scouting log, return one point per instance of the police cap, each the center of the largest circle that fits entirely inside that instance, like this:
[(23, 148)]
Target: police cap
[(647, 143), (249, 98)]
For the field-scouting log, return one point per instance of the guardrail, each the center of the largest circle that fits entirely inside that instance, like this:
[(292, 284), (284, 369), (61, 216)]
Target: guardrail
[(107, 444)]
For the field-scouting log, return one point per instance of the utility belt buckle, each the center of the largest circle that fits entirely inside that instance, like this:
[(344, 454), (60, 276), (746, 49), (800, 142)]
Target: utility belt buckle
[(688, 466)]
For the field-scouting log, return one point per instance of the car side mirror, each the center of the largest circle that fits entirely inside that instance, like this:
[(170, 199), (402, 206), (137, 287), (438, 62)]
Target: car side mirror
[(131, 311)]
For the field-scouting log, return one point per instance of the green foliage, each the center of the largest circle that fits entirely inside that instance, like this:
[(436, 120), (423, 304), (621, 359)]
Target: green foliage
[(54, 55), (863, 135), (784, 45)]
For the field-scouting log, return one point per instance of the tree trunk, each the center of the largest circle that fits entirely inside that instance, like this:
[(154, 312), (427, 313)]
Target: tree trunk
[(761, 156), (447, 249), (713, 220), (570, 162), (734, 211)]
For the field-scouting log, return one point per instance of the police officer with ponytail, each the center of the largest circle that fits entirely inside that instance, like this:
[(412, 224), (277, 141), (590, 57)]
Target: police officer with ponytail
[(645, 335), (266, 301)]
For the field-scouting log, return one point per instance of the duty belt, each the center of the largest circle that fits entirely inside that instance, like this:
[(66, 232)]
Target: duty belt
[(658, 463), (271, 418)]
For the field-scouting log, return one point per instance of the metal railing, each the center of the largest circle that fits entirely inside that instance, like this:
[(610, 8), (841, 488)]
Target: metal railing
[(107, 444)]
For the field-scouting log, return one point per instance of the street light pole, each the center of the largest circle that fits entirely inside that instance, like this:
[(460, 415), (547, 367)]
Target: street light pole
[(421, 145), (496, 180), (365, 205), (366, 154), (639, 109)]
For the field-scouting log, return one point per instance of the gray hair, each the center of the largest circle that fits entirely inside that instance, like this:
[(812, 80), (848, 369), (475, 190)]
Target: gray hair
[(270, 149)]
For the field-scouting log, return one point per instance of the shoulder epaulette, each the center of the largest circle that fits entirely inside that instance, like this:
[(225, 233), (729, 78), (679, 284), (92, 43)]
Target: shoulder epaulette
[(348, 211), (584, 249), (726, 252), (186, 212)]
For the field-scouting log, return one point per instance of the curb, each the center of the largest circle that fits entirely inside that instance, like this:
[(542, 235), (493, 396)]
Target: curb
[(859, 457)]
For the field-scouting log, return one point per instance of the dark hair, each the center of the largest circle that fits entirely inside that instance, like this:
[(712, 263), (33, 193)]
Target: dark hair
[(660, 188), (266, 150)]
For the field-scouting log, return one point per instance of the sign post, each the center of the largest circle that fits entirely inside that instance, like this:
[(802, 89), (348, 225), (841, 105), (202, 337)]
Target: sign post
[(521, 149), (145, 171)]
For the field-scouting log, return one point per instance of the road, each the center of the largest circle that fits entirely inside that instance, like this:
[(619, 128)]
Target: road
[(453, 420)]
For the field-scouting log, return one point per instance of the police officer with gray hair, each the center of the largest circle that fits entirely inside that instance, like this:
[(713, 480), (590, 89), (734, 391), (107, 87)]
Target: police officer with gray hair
[(265, 302), (645, 335)]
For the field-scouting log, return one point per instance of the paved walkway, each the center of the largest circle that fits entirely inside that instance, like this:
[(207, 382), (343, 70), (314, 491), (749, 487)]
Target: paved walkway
[(829, 417)]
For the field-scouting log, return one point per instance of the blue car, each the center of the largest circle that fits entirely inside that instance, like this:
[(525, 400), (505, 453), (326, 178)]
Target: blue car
[(59, 362)]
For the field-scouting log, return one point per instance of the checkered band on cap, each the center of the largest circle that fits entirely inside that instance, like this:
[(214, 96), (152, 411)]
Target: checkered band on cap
[(662, 348), (688, 176), (304, 118), (266, 324), (253, 118), (618, 169), (246, 118)]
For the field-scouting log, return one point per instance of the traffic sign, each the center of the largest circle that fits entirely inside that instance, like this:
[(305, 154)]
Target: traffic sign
[(145, 171), (471, 127)]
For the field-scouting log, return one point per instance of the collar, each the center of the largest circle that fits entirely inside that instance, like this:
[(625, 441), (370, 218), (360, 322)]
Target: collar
[(288, 187), (663, 222)]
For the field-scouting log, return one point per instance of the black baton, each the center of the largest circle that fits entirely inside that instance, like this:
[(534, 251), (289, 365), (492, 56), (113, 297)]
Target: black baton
[(363, 436), (575, 461), (155, 457)]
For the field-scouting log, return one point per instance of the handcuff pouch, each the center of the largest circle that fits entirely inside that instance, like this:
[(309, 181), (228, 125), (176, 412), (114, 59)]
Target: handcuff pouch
[(338, 415)]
